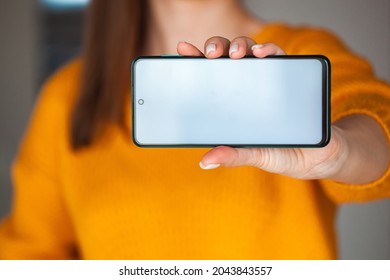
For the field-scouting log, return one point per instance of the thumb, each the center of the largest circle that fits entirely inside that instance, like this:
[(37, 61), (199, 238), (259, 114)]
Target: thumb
[(231, 157)]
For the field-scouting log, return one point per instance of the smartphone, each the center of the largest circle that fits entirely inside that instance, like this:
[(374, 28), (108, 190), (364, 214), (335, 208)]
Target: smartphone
[(277, 101)]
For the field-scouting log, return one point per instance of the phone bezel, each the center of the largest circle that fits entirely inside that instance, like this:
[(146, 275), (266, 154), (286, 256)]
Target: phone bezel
[(326, 105)]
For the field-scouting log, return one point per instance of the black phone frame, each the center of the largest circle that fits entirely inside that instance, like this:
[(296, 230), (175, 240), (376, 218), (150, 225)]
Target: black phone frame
[(326, 105)]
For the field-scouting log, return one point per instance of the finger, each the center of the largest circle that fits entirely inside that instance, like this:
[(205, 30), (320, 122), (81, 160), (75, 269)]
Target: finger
[(240, 47), (263, 50), (187, 49), (230, 157), (216, 47)]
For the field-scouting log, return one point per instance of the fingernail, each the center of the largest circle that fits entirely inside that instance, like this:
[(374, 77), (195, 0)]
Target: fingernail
[(211, 48), (233, 48), (258, 46), (209, 166), (180, 42)]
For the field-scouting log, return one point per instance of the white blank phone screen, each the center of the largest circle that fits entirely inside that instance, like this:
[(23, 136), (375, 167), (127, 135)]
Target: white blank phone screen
[(230, 102)]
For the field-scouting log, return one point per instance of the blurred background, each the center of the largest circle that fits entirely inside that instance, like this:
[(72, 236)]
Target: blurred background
[(36, 37)]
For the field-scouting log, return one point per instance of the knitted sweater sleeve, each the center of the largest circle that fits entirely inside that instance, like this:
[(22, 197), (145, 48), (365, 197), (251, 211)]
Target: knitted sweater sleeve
[(39, 226), (355, 90)]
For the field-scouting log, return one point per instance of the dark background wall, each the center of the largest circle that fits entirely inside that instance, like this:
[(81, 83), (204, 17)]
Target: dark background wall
[(35, 41)]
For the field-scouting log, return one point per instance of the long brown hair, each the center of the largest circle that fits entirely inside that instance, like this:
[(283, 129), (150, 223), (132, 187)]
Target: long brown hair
[(113, 37)]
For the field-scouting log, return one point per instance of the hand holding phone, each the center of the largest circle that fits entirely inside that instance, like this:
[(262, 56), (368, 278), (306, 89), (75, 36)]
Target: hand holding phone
[(304, 163)]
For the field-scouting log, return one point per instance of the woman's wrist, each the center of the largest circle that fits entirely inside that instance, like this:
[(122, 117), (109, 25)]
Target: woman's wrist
[(362, 150)]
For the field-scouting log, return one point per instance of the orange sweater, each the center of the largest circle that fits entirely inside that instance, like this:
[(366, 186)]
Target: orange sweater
[(117, 201)]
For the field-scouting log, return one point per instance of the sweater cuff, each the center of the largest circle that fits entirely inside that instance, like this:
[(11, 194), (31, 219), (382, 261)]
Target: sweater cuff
[(376, 106)]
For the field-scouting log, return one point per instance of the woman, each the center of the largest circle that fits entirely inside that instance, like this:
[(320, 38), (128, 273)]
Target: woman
[(83, 190)]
